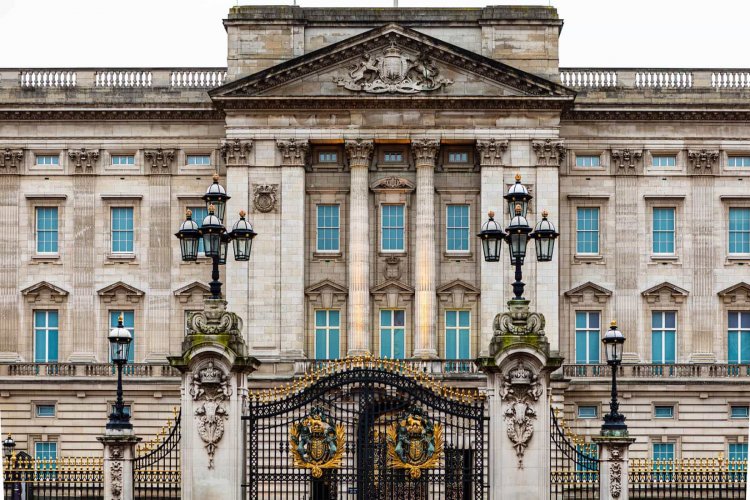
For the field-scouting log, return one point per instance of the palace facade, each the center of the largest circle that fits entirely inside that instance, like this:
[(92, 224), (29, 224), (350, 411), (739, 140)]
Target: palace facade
[(368, 146)]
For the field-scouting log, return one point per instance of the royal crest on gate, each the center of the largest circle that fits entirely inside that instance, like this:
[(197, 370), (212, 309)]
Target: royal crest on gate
[(317, 442), (415, 443)]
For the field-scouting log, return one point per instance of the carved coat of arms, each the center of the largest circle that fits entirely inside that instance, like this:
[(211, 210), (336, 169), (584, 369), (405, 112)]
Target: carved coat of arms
[(393, 72), (210, 387), (265, 197), (415, 443), (317, 443)]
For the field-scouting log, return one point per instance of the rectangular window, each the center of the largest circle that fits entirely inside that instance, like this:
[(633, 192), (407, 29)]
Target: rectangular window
[(739, 231), (587, 231), (738, 161), (198, 159), (663, 455), (663, 230), (327, 334), (328, 225), (393, 157), (458, 157), (457, 227), (122, 230), (47, 159), (739, 337), (198, 214), (46, 332), (45, 410), (45, 450), (128, 321), (587, 412), (457, 334), (663, 411), (328, 157), (663, 161), (123, 160), (663, 337), (739, 412), (587, 161), (392, 333), (737, 451), (588, 336), (46, 230), (392, 227)]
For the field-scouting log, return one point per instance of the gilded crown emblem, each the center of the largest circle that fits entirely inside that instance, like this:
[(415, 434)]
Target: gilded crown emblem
[(317, 443), (415, 443)]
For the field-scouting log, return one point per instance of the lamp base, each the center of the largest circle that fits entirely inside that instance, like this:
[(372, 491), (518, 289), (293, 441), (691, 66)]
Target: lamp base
[(614, 425)]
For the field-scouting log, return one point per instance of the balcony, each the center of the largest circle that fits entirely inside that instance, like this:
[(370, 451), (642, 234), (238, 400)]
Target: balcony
[(657, 371)]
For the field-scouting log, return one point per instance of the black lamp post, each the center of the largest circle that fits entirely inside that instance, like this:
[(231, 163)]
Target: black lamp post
[(517, 235), (119, 343), (215, 236), (14, 476), (614, 421), (8, 446)]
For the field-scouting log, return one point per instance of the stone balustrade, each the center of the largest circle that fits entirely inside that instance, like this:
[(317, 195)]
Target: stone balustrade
[(68, 78), (43, 370), (657, 371), (686, 79), (435, 367)]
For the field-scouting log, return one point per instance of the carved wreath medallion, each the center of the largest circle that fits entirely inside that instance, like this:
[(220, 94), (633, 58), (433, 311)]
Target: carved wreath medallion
[(265, 197), (317, 443), (415, 443)]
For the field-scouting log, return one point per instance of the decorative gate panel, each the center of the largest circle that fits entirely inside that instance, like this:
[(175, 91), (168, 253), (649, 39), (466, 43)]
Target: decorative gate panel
[(574, 465), (366, 429), (156, 468)]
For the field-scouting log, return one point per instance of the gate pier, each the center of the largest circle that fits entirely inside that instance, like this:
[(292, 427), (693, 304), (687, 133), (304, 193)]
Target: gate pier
[(518, 374), (214, 366)]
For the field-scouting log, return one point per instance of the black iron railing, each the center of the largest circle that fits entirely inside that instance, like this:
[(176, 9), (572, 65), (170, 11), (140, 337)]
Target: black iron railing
[(710, 478), (156, 468), (574, 464)]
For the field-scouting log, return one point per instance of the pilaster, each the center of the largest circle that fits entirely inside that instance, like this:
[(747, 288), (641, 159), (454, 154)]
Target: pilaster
[(11, 161), (703, 310), (359, 154), (159, 299), (424, 152), (627, 251)]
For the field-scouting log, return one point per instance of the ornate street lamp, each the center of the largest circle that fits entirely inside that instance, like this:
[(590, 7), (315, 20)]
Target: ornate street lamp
[(8, 446), (119, 343), (614, 421), (215, 237), (517, 235)]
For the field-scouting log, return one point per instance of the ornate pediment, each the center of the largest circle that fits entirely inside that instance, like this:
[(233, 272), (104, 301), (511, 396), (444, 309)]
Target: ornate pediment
[(588, 293), (392, 292), (44, 292), (185, 293), (665, 293), (393, 183), (457, 293), (738, 294), (120, 291), (391, 62), (327, 294)]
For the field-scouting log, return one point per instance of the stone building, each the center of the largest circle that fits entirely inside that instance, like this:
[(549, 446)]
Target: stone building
[(367, 146)]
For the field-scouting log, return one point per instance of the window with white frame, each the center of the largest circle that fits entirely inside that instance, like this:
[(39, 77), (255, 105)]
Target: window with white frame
[(128, 321), (46, 333), (393, 157), (123, 160), (122, 229), (392, 325), (738, 161), (458, 157), (198, 214), (457, 228), (663, 160), (46, 230), (663, 451), (739, 231), (663, 337), (663, 231), (327, 334), (392, 228), (737, 452), (588, 335), (664, 411), (328, 228), (738, 335), (587, 161), (457, 334), (47, 159), (328, 157), (45, 410), (587, 231), (45, 450), (199, 160)]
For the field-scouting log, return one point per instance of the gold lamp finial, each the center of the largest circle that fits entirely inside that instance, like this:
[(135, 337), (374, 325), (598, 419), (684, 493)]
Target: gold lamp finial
[(243, 213), (120, 318), (211, 208), (545, 214), (518, 209), (216, 176), (613, 323), (188, 213), (491, 214), (518, 177)]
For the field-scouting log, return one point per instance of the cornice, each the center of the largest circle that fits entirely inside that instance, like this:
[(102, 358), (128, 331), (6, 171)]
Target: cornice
[(728, 114), (111, 114)]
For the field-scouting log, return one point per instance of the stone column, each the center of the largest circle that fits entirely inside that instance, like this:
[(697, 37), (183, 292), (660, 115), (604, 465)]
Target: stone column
[(425, 152), (11, 165), (490, 153), (293, 159), (613, 467), (119, 452), (359, 153), (214, 366)]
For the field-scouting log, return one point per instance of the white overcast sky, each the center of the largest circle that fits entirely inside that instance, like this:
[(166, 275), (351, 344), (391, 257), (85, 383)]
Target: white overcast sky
[(117, 33)]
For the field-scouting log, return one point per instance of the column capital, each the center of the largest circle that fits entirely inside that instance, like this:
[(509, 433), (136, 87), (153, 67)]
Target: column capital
[(491, 151), (11, 160), (160, 159), (84, 159), (359, 152), (549, 152), (425, 152), (235, 151), (293, 152)]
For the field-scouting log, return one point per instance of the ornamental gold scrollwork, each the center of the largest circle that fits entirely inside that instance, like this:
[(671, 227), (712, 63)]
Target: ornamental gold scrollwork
[(317, 443), (415, 443)]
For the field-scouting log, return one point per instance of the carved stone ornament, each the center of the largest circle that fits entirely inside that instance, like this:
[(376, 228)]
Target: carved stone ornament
[(10, 160), (265, 197), (425, 152), (84, 159), (115, 474), (626, 159), (214, 320), (615, 472), (210, 388), (392, 268), (392, 182), (161, 159), (491, 152), (235, 151), (518, 320), (293, 152), (359, 152), (549, 153), (703, 159), (392, 72), (520, 390)]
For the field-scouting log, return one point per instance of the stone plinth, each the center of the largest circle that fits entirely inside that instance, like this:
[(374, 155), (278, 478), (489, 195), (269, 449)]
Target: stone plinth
[(613, 467), (214, 367), (119, 452)]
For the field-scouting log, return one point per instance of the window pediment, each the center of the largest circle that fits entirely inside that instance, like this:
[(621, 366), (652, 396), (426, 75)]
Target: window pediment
[(120, 292), (588, 293), (393, 183), (44, 292), (457, 293), (186, 293), (392, 291), (665, 293), (327, 294), (738, 294)]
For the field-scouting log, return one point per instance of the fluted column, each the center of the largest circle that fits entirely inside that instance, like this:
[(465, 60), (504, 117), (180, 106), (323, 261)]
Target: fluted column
[(10, 300), (425, 152), (159, 299), (490, 153), (359, 153)]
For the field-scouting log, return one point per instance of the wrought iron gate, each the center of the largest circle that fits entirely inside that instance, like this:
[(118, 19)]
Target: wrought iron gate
[(366, 429), (156, 468), (574, 465)]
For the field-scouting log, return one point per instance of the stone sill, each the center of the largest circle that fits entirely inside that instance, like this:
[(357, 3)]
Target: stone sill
[(46, 259), (323, 256)]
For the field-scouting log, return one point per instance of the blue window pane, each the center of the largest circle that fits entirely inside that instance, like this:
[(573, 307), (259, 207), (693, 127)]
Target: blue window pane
[(328, 228), (46, 336), (594, 342), (464, 343), (664, 411), (744, 347), (122, 230), (580, 320), (587, 337), (40, 346), (587, 231), (745, 320), (320, 344), (663, 230), (450, 318), (46, 229), (198, 160), (740, 412), (398, 318), (45, 410), (199, 213), (398, 344), (392, 228), (464, 318), (45, 451), (392, 334), (333, 318), (451, 347), (733, 352), (320, 318), (669, 319), (737, 451), (385, 318), (457, 334), (663, 451), (734, 319), (739, 230), (587, 412), (457, 228), (587, 161), (386, 350)]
